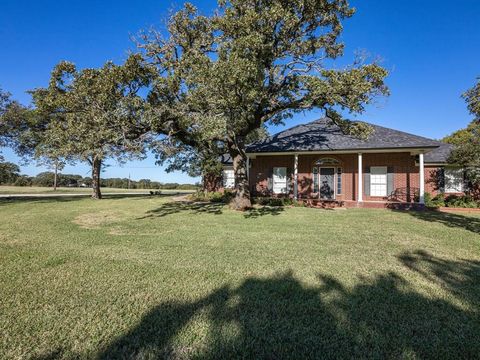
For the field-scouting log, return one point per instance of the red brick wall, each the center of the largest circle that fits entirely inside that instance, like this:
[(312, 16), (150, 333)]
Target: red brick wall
[(431, 184), (406, 174)]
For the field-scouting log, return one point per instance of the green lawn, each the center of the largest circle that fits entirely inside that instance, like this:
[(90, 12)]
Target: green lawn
[(146, 278)]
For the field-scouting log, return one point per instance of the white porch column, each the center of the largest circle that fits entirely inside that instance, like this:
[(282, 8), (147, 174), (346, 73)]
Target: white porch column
[(422, 179), (295, 177), (360, 178), (248, 169)]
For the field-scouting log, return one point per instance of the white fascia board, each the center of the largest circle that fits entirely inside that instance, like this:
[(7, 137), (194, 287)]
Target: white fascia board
[(413, 151)]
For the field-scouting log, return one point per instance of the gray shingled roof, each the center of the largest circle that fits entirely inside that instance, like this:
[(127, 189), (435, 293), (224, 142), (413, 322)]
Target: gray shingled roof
[(226, 159), (323, 135), (439, 155)]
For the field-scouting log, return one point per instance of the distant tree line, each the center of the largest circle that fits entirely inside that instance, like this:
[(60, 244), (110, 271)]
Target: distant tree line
[(10, 175)]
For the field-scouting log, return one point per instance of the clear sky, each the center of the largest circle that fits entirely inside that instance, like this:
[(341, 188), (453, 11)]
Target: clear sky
[(431, 47)]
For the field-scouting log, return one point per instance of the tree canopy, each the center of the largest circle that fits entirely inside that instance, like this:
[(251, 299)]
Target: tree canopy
[(253, 62), (472, 98), (9, 171), (94, 114), (467, 141)]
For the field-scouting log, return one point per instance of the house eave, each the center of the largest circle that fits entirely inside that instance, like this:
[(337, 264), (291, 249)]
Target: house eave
[(412, 150), (434, 164)]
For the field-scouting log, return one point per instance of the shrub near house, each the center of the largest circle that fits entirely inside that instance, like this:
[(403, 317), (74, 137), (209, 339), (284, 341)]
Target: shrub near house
[(453, 201)]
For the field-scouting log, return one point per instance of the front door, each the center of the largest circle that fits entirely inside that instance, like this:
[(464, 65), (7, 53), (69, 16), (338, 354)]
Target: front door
[(327, 183)]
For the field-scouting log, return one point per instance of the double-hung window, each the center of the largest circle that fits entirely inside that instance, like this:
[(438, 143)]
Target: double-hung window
[(378, 181), (453, 180), (228, 179), (279, 180)]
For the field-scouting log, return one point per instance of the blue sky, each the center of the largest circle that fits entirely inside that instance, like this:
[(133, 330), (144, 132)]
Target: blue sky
[(432, 49)]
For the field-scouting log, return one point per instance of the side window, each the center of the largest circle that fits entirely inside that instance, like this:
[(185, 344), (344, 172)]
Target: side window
[(339, 181), (280, 180), (453, 180), (378, 181), (228, 179), (315, 179)]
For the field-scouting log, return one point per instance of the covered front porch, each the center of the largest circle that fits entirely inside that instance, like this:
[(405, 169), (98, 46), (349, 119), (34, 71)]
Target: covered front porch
[(350, 179)]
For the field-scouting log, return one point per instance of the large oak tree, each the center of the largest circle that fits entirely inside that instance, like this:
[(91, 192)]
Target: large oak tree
[(253, 62), (94, 114)]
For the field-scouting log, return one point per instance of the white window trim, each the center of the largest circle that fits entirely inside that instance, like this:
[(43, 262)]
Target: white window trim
[(285, 188), (228, 178), (334, 179), (453, 171), (383, 171)]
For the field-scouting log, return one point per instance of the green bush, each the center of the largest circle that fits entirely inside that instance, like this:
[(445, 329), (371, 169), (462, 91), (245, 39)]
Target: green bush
[(465, 201), (216, 197), (434, 202)]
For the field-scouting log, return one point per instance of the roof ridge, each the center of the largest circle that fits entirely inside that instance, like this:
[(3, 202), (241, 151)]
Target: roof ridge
[(324, 134), (401, 131)]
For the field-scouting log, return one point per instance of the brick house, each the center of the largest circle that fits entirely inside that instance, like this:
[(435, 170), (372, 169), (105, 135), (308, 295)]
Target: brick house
[(318, 163)]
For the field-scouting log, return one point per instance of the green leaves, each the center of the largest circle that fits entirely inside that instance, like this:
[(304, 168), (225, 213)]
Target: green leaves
[(95, 112), (467, 141), (472, 97), (255, 62)]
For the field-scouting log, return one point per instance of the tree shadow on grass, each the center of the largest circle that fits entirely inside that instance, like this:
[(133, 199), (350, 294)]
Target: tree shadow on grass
[(256, 212), (175, 207), (460, 277), (63, 199), (281, 318), (469, 223)]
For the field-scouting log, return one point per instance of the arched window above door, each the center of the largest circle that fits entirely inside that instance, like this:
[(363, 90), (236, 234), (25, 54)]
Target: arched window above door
[(327, 161)]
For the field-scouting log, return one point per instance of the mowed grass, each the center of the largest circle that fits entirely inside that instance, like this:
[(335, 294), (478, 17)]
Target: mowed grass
[(6, 189), (147, 278)]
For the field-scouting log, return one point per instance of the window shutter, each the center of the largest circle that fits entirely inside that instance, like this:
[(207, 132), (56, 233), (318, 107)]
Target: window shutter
[(289, 179), (366, 181), (390, 180), (441, 179), (270, 180)]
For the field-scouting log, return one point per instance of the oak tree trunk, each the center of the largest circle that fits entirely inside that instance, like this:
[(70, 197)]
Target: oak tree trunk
[(242, 200), (96, 168), (55, 177)]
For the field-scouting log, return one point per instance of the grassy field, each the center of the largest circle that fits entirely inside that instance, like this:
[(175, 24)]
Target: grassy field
[(4, 189), (147, 278)]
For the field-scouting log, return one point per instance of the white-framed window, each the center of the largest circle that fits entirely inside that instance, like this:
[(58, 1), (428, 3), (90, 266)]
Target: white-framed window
[(279, 180), (378, 181), (228, 179), (453, 180)]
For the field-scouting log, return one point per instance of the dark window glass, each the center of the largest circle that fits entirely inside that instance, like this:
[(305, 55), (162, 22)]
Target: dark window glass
[(315, 180)]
